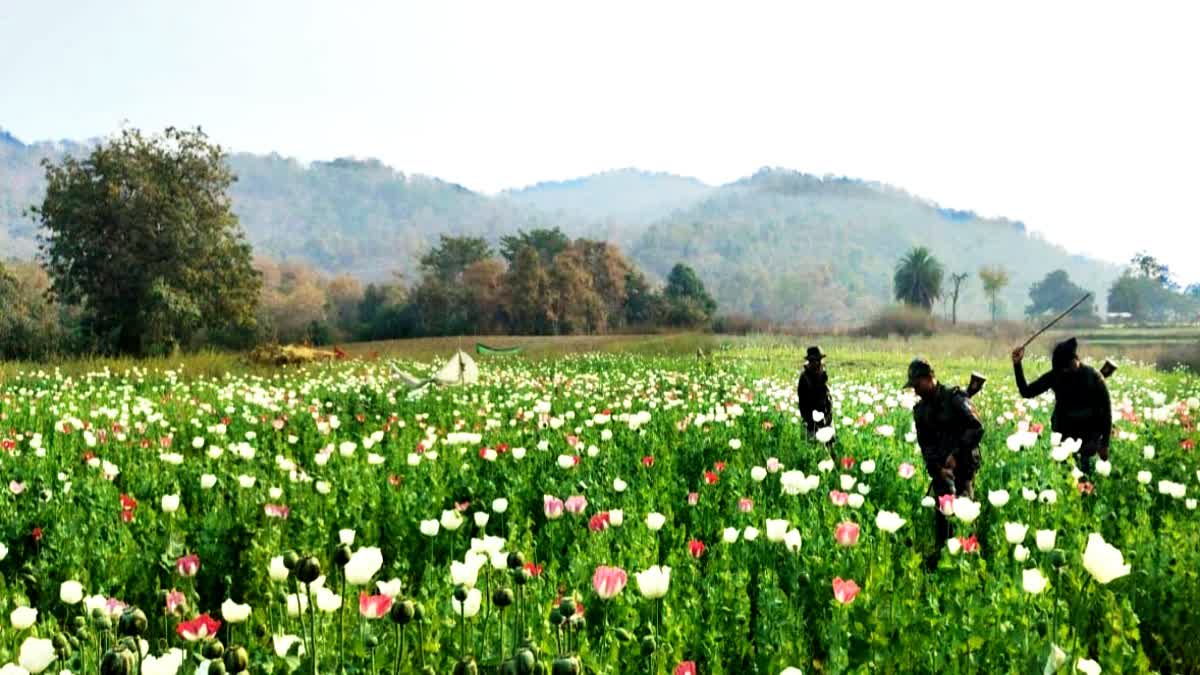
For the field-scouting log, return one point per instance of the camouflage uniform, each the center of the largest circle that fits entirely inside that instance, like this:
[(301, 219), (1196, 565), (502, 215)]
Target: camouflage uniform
[(947, 427)]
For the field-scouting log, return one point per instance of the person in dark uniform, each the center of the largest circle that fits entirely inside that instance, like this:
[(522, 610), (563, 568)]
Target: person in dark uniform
[(949, 432), (812, 391), (1082, 408)]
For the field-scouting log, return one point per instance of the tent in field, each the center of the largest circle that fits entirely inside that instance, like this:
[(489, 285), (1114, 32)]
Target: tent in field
[(459, 370)]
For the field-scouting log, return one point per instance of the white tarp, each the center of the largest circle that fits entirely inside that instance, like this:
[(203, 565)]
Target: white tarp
[(460, 369)]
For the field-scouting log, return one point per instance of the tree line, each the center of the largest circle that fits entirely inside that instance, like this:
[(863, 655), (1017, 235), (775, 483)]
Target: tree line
[(1146, 291), (141, 253)]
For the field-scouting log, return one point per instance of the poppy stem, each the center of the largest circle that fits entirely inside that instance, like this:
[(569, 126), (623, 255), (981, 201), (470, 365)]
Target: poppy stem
[(342, 627)]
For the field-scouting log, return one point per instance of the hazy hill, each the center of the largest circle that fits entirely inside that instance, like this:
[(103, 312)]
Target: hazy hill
[(356, 216), (801, 248), (616, 204), (779, 244)]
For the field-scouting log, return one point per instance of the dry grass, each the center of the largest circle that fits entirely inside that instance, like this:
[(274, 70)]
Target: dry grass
[(973, 344)]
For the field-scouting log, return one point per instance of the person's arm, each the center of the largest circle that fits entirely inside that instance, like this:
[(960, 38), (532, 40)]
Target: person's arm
[(1039, 386)]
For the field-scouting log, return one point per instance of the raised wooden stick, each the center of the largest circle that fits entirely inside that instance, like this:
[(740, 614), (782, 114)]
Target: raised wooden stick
[(1056, 319)]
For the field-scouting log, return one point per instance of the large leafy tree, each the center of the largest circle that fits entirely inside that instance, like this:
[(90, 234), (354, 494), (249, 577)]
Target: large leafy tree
[(447, 261), (142, 236), (994, 279), (546, 242), (1146, 299), (578, 305), (688, 302), (918, 279), (1055, 293), (529, 294), (1147, 266)]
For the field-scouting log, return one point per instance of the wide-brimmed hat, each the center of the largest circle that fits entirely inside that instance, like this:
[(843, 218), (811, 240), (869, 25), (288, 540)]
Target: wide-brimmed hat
[(814, 353), (916, 370)]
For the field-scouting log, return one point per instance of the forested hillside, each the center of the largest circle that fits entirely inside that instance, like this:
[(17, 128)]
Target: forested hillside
[(780, 244), (800, 248)]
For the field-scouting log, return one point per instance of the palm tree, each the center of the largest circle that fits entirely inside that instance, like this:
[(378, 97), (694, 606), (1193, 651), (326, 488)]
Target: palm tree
[(994, 280), (918, 280)]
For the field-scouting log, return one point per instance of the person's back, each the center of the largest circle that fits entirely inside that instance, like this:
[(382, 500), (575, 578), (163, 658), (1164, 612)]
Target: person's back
[(1082, 407)]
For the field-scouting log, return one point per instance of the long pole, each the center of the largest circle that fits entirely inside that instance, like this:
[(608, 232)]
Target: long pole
[(1056, 319)]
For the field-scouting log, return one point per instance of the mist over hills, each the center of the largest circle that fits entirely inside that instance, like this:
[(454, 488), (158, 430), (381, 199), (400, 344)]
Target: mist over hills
[(780, 244)]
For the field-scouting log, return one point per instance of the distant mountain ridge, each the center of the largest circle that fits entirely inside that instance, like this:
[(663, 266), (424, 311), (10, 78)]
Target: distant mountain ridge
[(628, 197), (779, 244)]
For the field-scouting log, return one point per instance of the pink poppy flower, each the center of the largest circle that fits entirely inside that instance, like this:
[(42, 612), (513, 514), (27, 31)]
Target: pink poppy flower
[(846, 533), (844, 591)]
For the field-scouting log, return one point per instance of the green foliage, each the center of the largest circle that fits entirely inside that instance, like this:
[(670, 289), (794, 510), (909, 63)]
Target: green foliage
[(141, 235), (1055, 294), (447, 261), (688, 302), (1147, 300), (546, 242), (994, 279), (818, 252), (757, 604), (918, 279), (785, 246)]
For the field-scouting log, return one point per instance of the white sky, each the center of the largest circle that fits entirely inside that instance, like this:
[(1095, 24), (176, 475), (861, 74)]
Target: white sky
[(1080, 119)]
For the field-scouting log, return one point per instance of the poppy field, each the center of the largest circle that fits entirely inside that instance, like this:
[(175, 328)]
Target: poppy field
[(586, 514)]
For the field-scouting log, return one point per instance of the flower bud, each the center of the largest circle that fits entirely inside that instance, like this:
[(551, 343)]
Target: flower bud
[(418, 612), (216, 668), (213, 650), (521, 576), (133, 622), (465, 666), (341, 555), (623, 635), (372, 641), (62, 646), (649, 645), (503, 597), (556, 617), (118, 661), (567, 607), (236, 660), (308, 569), (1057, 557), (525, 662), (290, 559), (515, 560), (402, 612), (568, 665), (460, 593)]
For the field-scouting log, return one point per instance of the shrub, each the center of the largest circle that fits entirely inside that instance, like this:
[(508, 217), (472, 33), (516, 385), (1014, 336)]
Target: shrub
[(899, 320), (1180, 356)]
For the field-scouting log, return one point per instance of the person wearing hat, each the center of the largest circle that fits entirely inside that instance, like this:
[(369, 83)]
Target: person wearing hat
[(812, 391), (1082, 407), (948, 432)]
